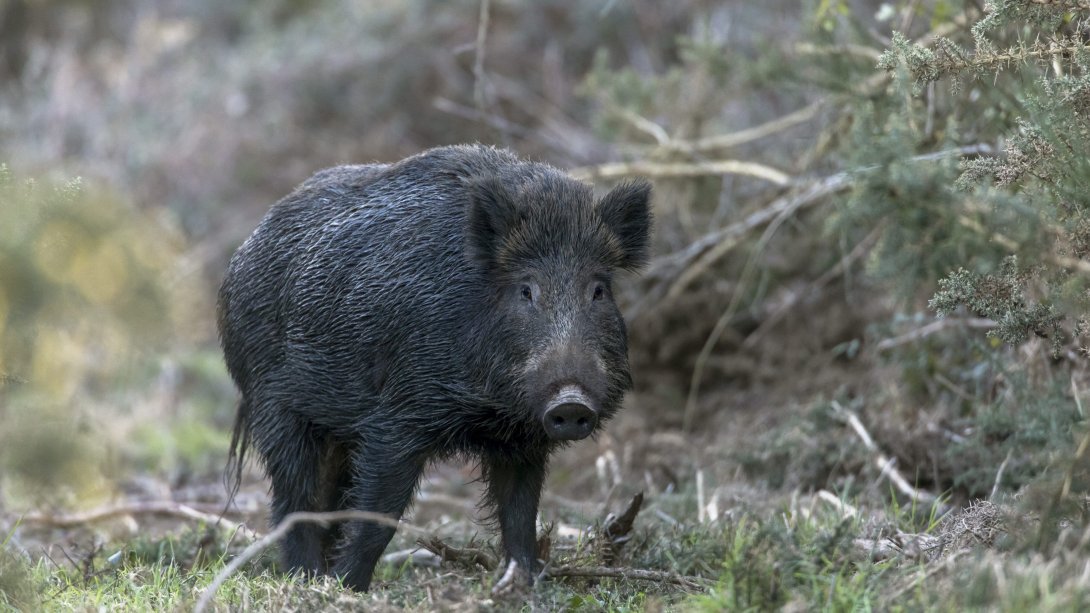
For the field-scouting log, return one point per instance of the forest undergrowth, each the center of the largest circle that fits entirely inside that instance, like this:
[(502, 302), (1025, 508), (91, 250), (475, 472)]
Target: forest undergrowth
[(859, 348)]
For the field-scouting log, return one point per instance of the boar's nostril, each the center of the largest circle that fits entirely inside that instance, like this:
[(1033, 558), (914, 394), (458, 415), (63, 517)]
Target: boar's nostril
[(569, 416)]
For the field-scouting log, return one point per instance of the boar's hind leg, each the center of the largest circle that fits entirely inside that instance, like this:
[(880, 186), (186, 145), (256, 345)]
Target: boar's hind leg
[(293, 464), (514, 488), (382, 483)]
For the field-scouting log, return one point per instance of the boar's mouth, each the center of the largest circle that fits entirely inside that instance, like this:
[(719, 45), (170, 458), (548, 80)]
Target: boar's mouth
[(569, 415)]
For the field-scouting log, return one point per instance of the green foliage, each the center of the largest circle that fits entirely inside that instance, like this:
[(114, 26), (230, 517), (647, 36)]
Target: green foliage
[(803, 559), (89, 291), (1044, 173), (1001, 297), (18, 585)]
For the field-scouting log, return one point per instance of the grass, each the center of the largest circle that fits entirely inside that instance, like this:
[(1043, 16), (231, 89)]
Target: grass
[(804, 555)]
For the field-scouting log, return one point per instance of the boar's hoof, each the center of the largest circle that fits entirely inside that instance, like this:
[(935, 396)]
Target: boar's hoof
[(569, 416)]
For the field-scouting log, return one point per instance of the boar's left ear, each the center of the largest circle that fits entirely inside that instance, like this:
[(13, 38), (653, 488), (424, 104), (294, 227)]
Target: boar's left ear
[(626, 211), (492, 215)]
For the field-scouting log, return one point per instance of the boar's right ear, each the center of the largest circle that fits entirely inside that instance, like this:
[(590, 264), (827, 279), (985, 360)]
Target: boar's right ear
[(492, 216), (626, 211)]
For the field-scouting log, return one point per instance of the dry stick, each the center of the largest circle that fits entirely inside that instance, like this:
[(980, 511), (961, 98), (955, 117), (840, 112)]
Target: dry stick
[(662, 170), (478, 61), (686, 581), (719, 141), (741, 137), (716, 251), (508, 579), (999, 475), (885, 463), (495, 122), (931, 328), (840, 268), (281, 529), (465, 556), (645, 125), (707, 250), (847, 510), (862, 51), (153, 507)]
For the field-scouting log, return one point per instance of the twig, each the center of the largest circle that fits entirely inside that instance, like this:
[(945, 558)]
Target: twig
[(281, 529), (931, 328), (886, 465), (715, 251), (847, 510), (662, 170), (415, 557), (645, 125), (999, 475), (741, 137), (507, 580), (500, 124), (861, 51), (692, 261), (478, 61), (465, 556), (152, 507), (685, 581)]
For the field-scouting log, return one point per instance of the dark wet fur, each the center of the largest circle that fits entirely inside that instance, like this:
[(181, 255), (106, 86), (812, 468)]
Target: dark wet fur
[(374, 323)]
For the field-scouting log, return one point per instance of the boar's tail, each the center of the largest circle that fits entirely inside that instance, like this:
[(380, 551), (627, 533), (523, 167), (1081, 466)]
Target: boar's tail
[(236, 457)]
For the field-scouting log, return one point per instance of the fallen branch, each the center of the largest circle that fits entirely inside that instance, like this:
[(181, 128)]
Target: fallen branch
[(508, 582), (637, 574), (999, 476), (845, 509), (885, 464), (931, 328), (616, 529), (151, 507), (691, 262), (282, 529), (469, 557), (662, 170), (741, 137)]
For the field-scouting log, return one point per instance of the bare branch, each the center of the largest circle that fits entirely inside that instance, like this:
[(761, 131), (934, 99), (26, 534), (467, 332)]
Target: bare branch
[(464, 556), (151, 507), (478, 61), (931, 328), (645, 125), (886, 465), (741, 137), (282, 529), (508, 579), (662, 170)]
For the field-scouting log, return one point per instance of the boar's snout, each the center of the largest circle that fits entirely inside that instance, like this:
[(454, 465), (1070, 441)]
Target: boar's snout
[(569, 416)]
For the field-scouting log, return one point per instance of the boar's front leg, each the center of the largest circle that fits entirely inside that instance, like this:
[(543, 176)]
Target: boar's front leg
[(514, 489), (383, 481)]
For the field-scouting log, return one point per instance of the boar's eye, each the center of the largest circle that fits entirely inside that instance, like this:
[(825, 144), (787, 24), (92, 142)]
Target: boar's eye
[(527, 293), (599, 292)]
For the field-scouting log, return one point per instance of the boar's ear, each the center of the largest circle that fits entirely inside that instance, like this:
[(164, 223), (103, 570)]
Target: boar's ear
[(626, 211), (492, 216)]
